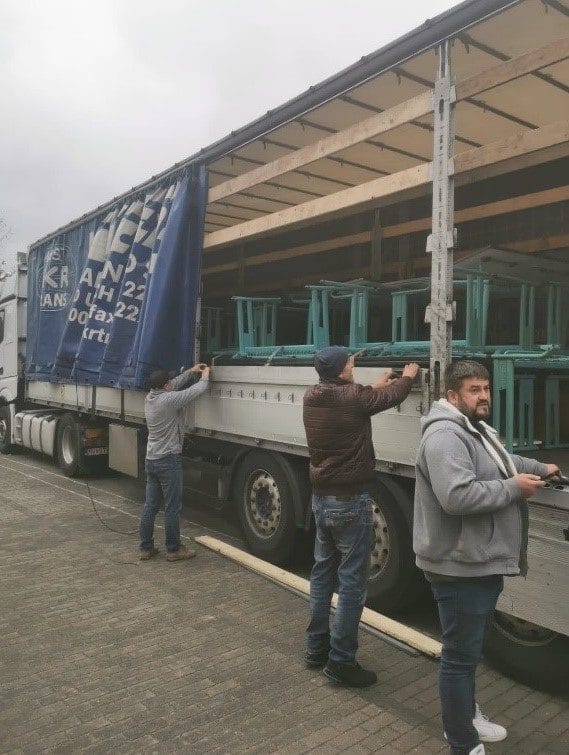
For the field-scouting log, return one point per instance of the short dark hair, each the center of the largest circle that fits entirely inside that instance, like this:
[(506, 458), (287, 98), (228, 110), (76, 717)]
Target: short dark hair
[(464, 369), (158, 378)]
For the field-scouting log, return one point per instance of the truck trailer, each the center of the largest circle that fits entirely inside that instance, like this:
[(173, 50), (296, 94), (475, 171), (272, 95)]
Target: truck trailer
[(413, 206)]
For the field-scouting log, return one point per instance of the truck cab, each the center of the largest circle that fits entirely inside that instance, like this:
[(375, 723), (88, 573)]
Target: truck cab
[(13, 295)]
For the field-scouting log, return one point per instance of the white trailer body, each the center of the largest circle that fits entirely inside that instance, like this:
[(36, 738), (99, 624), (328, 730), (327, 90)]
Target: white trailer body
[(336, 184)]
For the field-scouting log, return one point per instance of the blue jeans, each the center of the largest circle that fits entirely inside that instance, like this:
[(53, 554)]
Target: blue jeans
[(163, 484), (341, 552), (465, 610)]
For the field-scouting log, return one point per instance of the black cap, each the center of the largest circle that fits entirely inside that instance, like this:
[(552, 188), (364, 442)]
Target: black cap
[(329, 362), (158, 379)]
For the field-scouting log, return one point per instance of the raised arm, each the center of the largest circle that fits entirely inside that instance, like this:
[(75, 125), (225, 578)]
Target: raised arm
[(182, 381), (181, 398), (387, 391)]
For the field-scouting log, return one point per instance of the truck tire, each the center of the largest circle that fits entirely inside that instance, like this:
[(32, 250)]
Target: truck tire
[(529, 653), (394, 579), (265, 504), (69, 446), (5, 430)]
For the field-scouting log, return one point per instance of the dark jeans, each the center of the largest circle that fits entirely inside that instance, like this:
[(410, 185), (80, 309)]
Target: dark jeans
[(465, 610), (163, 484), (341, 551)]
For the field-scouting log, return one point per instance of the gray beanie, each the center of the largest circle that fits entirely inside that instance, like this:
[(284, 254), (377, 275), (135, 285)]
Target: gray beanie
[(329, 362)]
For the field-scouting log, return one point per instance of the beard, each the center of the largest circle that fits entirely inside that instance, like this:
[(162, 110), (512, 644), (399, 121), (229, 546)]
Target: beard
[(480, 412)]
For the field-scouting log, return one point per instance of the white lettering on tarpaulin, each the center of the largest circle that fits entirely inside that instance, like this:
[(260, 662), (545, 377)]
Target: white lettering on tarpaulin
[(109, 270), (74, 314), (53, 301), (105, 292), (56, 279), (91, 334)]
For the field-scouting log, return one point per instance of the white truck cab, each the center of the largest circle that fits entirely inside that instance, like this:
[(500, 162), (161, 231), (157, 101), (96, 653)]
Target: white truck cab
[(13, 295)]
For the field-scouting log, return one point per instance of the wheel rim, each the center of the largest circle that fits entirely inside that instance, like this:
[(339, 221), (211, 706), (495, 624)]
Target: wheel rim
[(263, 508), (523, 632), (381, 545), (68, 446)]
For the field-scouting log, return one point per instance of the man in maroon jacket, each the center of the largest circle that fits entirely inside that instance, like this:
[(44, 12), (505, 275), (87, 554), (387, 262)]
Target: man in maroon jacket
[(337, 420)]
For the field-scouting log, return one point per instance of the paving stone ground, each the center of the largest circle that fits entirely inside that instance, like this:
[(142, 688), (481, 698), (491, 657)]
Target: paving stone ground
[(102, 653)]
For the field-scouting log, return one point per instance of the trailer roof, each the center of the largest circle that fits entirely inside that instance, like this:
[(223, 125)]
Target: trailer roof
[(484, 33)]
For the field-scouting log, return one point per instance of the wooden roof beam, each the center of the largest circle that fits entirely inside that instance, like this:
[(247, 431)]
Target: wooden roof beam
[(359, 132), (502, 73), (518, 145), (476, 212), (398, 115)]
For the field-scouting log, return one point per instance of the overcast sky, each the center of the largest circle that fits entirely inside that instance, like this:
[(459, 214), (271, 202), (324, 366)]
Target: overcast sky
[(98, 96)]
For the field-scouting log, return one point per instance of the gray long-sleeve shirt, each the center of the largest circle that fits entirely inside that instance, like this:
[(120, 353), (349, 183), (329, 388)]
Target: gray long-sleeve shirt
[(164, 411)]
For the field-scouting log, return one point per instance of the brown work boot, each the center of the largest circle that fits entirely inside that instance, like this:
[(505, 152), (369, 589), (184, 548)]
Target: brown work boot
[(182, 554), (147, 553)]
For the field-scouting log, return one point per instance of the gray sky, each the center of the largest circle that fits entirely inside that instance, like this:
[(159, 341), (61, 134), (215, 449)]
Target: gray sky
[(99, 96)]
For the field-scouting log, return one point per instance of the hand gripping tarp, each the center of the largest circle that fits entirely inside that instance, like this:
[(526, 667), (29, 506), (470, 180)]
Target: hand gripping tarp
[(117, 296)]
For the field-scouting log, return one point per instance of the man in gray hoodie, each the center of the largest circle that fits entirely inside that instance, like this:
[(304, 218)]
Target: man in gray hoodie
[(164, 411), (470, 529)]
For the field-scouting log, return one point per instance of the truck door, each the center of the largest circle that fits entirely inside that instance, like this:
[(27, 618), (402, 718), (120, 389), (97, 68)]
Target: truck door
[(8, 350), (2, 358)]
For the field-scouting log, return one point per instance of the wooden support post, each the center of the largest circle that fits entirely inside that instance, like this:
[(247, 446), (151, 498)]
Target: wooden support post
[(403, 255), (376, 247), (241, 270)]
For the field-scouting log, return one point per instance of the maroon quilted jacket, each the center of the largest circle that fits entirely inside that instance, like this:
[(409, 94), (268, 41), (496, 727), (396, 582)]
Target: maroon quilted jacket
[(337, 419)]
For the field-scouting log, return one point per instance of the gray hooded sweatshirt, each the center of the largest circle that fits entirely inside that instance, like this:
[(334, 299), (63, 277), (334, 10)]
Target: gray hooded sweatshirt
[(470, 518)]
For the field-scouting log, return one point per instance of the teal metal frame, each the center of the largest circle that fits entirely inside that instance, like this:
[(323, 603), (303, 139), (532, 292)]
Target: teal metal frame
[(517, 367), (256, 322), (211, 328)]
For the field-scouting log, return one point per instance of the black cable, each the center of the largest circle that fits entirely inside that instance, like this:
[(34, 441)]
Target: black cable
[(129, 533)]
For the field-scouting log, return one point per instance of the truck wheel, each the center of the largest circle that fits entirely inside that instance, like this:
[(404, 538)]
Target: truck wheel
[(69, 446), (5, 430), (265, 506), (532, 654), (393, 576)]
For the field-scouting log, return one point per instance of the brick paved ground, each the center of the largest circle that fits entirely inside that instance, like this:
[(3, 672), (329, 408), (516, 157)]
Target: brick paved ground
[(103, 653)]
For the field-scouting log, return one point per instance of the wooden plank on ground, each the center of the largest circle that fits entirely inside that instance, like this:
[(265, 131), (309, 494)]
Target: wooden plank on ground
[(377, 621)]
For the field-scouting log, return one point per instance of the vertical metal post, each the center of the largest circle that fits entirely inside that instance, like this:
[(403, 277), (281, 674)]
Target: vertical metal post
[(441, 241), (527, 315), (554, 314)]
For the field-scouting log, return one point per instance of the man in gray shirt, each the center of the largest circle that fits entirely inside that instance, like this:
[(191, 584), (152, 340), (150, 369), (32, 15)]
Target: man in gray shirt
[(470, 530), (164, 410)]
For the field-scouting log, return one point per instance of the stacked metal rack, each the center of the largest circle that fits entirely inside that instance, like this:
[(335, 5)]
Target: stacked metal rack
[(509, 311)]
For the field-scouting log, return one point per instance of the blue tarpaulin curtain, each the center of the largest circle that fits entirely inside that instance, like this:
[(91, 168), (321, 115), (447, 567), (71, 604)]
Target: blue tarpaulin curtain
[(116, 297)]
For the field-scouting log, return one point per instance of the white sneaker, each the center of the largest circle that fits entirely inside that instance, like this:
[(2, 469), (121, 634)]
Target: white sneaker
[(487, 731), (478, 750)]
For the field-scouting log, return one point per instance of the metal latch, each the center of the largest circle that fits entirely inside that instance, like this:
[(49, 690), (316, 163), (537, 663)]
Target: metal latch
[(450, 312)]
